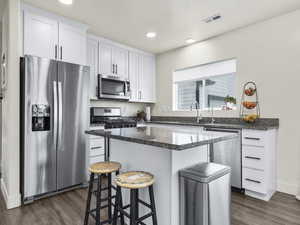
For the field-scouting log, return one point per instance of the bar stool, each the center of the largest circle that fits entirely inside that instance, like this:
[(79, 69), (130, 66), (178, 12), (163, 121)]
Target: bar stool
[(100, 169), (134, 180)]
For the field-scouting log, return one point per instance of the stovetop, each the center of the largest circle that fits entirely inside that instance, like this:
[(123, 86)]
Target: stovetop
[(114, 122)]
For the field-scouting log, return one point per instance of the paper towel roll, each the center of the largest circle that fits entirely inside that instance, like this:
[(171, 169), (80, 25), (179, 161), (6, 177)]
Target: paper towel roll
[(148, 113)]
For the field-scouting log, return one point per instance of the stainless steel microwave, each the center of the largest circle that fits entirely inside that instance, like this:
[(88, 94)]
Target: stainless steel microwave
[(113, 87)]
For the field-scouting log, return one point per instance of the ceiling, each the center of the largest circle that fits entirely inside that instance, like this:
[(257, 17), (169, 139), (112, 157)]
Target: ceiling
[(127, 21)]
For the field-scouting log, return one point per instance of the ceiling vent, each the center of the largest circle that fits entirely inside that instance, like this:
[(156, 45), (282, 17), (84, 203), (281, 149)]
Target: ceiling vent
[(212, 18)]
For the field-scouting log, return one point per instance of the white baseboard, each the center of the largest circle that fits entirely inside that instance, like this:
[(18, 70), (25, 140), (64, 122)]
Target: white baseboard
[(288, 188), (264, 197), (12, 201)]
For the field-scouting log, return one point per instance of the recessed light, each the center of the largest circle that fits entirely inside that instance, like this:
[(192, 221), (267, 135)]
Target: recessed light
[(190, 41), (66, 2), (151, 35)]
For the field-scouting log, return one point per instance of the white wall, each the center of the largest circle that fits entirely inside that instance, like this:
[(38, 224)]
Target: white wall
[(267, 53), (10, 185)]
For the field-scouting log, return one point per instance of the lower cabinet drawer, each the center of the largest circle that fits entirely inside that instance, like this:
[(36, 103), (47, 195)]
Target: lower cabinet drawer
[(97, 142), (97, 151), (253, 137), (96, 159), (253, 157), (254, 180)]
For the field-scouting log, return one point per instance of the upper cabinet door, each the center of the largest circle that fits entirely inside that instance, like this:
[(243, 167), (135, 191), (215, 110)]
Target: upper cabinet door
[(147, 79), (92, 61), (72, 42), (105, 59), (40, 36), (120, 61), (134, 73)]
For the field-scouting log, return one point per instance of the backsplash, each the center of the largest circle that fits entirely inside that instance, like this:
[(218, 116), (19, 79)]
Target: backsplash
[(127, 108)]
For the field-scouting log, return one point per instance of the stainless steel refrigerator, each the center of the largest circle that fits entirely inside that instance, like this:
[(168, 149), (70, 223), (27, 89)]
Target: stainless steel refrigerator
[(54, 117)]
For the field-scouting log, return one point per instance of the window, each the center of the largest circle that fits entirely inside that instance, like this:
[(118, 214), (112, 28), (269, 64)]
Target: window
[(208, 85)]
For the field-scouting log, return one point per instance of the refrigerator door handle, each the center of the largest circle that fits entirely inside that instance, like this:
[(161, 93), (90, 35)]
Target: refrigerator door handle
[(55, 113), (59, 117)]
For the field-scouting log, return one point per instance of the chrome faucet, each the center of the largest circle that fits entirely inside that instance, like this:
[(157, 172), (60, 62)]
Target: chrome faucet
[(212, 115), (197, 107)]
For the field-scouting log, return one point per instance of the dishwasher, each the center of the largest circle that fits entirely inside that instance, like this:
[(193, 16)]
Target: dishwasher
[(229, 153)]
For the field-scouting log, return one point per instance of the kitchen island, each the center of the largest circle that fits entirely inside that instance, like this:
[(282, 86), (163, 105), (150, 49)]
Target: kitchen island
[(162, 151)]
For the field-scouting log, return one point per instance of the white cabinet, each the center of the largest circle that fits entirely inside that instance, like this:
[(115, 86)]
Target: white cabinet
[(40, 36), (142, 77), (259, 163), (96, 151), (72, 42), (120, 62), (147, 81), (106, 66), (109, 59), (113, 60), (92, 62), (134, 75), (49, 37)]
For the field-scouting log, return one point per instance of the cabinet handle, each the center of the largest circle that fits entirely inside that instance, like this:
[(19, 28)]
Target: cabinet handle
[(113, 68), (55, 51), (254, 181), (140, 95), (251, 138), (116, 68), (250, 157), (61, 53), (93, 148)]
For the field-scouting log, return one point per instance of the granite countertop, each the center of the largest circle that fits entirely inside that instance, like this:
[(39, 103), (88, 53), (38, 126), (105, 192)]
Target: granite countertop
[(226, 123), (165, 137)]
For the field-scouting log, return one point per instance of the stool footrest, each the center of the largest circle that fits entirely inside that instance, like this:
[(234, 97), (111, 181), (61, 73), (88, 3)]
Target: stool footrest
[(108, 221), (145, 217), (144, 203), (105, 189)]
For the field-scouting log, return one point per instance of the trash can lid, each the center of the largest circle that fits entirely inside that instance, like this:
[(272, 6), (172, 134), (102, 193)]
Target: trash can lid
[(205, 172)]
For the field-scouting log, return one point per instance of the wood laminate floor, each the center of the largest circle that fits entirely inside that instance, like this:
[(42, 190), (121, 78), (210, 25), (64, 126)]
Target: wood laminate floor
[(68, 209)]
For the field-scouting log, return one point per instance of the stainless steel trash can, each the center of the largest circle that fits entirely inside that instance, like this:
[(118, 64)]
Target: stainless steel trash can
[(205, 195)]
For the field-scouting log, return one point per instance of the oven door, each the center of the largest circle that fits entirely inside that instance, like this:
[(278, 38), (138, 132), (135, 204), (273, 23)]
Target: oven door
[(113, 88)]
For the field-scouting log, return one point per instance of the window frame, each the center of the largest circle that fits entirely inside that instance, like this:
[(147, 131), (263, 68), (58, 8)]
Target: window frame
[(203, 108)]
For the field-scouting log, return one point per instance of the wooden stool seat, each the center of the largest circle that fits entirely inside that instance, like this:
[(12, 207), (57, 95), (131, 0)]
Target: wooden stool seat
[(135, 180), (104, 167)]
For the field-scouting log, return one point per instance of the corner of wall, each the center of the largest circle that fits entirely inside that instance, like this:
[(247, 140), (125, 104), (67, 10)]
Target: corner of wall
[(12, 201)]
